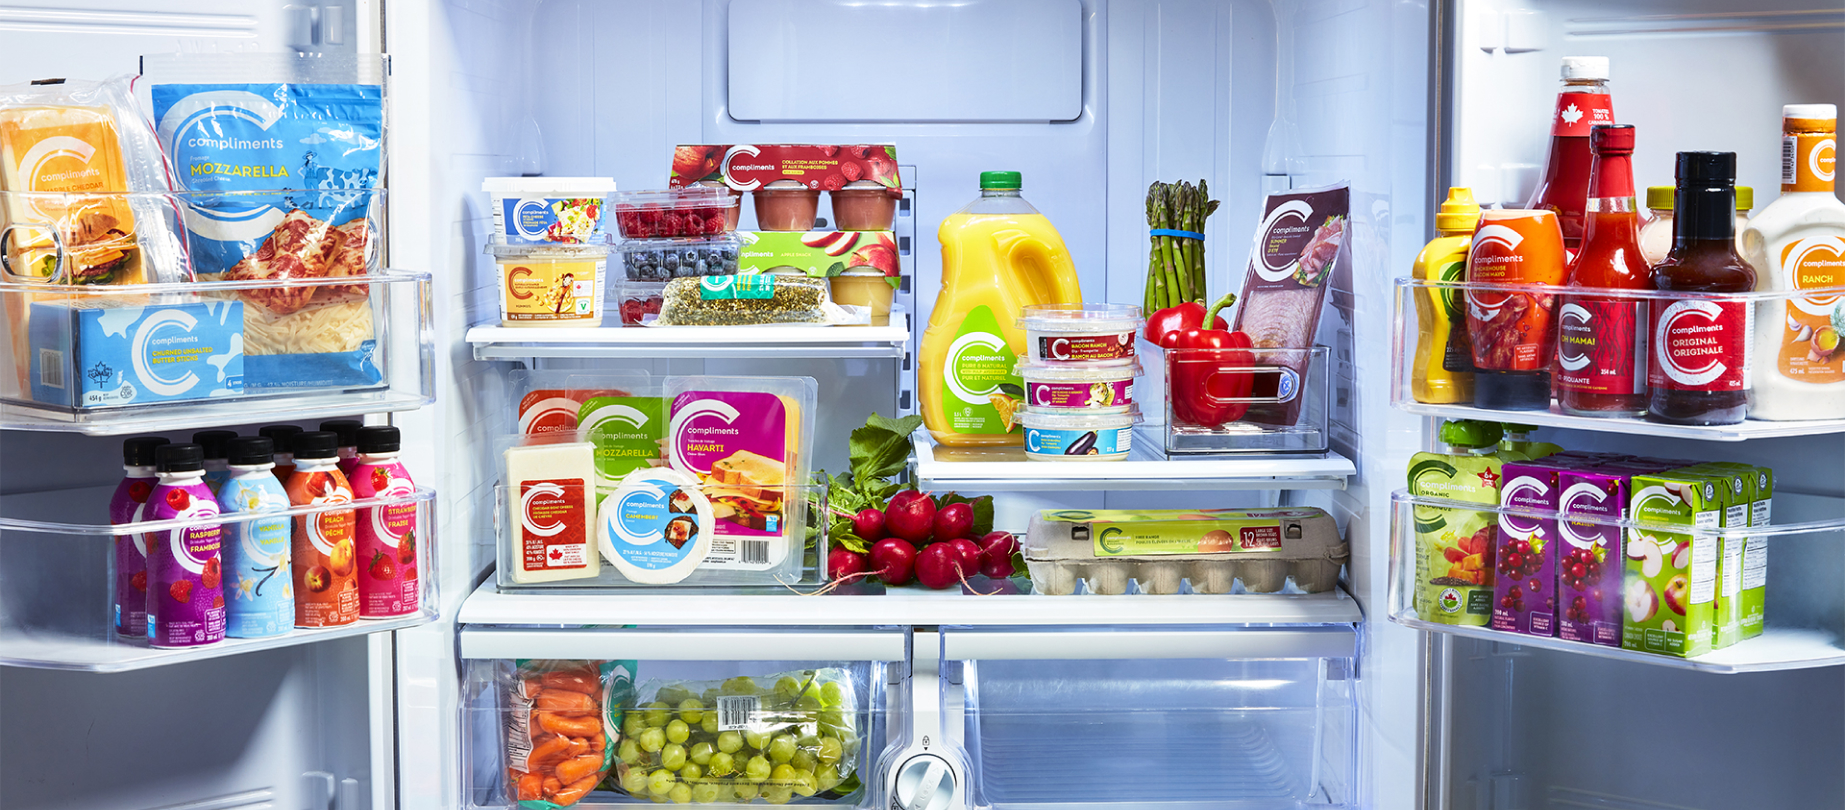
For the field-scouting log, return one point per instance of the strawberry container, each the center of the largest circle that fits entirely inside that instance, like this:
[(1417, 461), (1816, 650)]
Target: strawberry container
[(679, 212)]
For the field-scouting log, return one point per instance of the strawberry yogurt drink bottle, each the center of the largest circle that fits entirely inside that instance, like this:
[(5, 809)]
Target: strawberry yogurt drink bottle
[(348, 431), (185, 593), (386, 534), (325, 585), (131, 549), (259, 587)]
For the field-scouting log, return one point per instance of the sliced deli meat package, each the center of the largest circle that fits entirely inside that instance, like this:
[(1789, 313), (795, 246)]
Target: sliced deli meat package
[(1299, 247)]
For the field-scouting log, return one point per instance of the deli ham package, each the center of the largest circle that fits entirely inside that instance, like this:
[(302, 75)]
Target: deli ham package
[(1299, 248)]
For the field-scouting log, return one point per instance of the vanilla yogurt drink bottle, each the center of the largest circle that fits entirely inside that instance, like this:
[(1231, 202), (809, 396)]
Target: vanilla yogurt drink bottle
[(259, 588)]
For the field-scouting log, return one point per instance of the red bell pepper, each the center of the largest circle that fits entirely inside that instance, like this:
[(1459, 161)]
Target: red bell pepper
[(1206, 387), (1165, 326)]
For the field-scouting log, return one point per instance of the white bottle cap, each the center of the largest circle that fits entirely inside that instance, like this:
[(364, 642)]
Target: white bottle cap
[(1585, 67), (1822, 112)]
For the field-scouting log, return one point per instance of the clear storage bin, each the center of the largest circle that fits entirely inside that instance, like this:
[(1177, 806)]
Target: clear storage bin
[(1284, 411)]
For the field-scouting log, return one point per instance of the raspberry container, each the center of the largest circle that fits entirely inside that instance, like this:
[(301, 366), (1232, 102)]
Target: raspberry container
[(674, 213), (1079, 388), (1081, 333), (1067, 436), (548, 210), (667, 259), (1160, 550), (639, 301)]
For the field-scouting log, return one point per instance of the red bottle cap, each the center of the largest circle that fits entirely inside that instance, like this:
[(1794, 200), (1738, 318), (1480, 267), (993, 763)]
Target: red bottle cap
[(1612, 138)]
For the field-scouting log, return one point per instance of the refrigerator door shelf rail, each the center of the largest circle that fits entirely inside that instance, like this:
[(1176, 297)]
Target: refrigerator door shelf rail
[(1147, 467), (722, 342)]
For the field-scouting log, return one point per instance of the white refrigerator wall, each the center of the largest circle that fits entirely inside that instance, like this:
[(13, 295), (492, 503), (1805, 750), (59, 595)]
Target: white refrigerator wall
[(1526, 728)]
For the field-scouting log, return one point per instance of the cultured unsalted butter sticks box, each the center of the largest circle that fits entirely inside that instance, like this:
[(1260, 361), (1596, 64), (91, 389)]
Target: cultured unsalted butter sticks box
[(106, 356)]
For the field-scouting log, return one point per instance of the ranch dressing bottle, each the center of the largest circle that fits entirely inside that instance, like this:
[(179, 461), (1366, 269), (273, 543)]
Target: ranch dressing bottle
[(1798, 243)]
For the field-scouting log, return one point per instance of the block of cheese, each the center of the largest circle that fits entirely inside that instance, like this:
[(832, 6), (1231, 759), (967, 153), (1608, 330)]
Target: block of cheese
[(551, 497)]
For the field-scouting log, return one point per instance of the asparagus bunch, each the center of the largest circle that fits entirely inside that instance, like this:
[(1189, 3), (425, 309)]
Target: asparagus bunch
[(1175, 264)]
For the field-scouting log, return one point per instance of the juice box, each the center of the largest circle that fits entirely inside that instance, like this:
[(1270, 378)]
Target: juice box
[(1454, 547), (1748, 559), (1738, 492), (1525, 588), (1670, 583), (1589, 561)]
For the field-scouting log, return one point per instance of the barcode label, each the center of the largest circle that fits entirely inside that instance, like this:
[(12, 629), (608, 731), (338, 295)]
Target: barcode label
[(51, 368), (519, 728), (755, 552), (735, 712), (1790, 159)]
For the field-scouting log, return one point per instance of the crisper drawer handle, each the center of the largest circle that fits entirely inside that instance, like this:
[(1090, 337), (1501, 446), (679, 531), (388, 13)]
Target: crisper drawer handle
[(682, 644), (1000, 645)]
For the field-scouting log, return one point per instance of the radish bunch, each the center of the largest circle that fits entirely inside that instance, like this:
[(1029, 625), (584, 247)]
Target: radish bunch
[(916, 537)]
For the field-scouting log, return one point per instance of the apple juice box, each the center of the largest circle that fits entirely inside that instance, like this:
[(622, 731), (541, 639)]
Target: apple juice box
[(1738, 492), (1670, 585), (1525, 588), (1742, 568)]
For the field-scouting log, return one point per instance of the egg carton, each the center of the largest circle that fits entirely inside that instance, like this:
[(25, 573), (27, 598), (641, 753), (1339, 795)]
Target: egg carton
[(1164, 575)]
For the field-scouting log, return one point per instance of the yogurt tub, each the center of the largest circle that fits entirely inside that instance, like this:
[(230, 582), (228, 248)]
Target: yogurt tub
[(1079, 387), (1077, 436), (551, 285), (548, 210), (1081, 333)]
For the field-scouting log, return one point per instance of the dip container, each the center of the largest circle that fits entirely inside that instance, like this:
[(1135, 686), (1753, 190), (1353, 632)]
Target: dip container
[(548, 210), (552, 285), (1081, 333), (864, 205), (1066, 436), (1079, 387), (678, 212), (786, 205)]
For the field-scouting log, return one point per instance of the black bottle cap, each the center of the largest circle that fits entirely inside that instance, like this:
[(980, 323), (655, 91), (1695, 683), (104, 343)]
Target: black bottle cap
[(213, 441), (251, 450), (379, 439), (138, 451), (315, 444), (346, 429), (1512, 391), (1705, 200), (174, 458), (281, 435), (1707, 167)]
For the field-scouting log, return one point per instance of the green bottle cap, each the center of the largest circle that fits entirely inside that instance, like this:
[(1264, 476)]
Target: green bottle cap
[(1470, 433), (999, 180), (1660, 197)]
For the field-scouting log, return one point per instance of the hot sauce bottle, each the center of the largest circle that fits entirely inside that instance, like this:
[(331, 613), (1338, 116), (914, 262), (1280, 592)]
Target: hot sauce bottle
[(1582, 103), (1698, 366), (1601, 341)]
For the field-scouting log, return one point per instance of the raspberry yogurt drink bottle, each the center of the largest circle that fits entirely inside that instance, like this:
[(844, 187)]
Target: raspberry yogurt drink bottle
[(185, 594), (348, 431), (131, 549), (284, 454), (216, 468), (386, 534), (324, 564), (261, 596)]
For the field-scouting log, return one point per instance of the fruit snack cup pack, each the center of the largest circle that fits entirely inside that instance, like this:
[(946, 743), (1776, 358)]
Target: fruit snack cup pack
[(185, 577), (386, 534), (1454, 547), (325, 559), (257, 553)]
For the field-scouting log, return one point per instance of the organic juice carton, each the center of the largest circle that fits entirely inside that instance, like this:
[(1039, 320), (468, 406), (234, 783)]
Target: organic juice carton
[(1589, 566), (386, 534), (185, 576), (1670, 585), (257, 552), (126, 506), (1454, 547), (325, 557), (1525, 588), (1737, 489), (1742, 574)]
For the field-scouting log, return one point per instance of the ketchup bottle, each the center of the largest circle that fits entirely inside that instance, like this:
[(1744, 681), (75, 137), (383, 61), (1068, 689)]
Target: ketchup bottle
[(1581, 104), (1698, 367), (1601, 341)]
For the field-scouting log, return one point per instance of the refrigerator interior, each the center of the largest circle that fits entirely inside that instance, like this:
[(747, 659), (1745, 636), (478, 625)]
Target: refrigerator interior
[(1514, 727)]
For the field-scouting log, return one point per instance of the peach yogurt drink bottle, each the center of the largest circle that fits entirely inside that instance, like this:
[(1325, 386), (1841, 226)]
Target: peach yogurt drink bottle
[(185, 576), (131, 549), (326, 588), (386, 534)]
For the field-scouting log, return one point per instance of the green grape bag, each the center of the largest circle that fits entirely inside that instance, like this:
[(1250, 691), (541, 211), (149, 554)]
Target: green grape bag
[(735, 741), (562, 721)]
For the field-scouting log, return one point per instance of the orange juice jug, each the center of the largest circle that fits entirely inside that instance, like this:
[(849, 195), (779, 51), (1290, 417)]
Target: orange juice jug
[(999, 255)]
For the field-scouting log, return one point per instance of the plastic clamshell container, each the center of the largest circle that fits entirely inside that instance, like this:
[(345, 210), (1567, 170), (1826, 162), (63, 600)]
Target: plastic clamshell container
[(548, 210), (1080, 333), (676, 212), (60, 581), (551, 285), (1079, 388), (667, 259), (639, 302), (1077, 436), (1160, 549)]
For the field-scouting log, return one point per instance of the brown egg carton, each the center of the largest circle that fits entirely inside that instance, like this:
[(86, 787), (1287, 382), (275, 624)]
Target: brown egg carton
[(1160, 550)]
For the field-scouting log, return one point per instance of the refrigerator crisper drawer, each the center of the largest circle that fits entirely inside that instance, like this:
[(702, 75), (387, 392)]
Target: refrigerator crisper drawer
[(706, 716), (1243, 717)]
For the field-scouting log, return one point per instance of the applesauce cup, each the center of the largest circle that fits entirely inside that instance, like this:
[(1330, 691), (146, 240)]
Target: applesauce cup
[(872, 290), (864, 205), (786, 205)]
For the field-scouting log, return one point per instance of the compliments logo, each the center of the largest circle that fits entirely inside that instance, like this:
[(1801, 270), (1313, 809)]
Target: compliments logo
[(142, 353), (680, 430), (543, 489), (1579, 493), (1689, 317), (732, 154), (1491, 241), (1291, 212)]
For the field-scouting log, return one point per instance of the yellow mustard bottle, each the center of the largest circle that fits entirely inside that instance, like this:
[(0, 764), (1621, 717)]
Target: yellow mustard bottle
[(1439, 374), (999, 255)]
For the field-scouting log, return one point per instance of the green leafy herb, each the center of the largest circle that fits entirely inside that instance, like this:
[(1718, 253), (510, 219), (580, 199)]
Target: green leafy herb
[(879, 452)]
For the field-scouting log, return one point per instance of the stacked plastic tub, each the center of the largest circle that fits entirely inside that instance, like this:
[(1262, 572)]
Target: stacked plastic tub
[(551, 248), (669, 234), (1079, 373)]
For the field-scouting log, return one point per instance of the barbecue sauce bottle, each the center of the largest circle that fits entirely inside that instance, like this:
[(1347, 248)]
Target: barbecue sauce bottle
[(1698, 366)]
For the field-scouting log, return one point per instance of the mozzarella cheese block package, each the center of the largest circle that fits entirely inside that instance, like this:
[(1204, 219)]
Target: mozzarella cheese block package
[(748, 441), (549, 487)]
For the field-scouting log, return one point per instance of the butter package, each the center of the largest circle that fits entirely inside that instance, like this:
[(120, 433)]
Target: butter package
[(1159, 548), (748, 441), (106, 356)]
